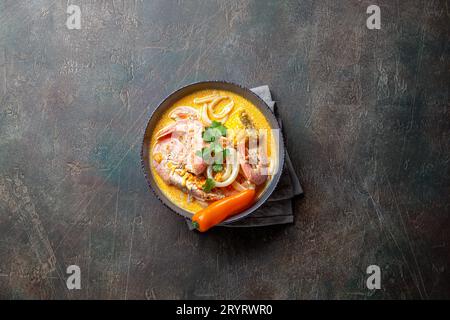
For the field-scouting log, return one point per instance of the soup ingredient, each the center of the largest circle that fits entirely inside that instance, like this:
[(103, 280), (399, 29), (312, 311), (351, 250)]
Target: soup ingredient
[(167, 165), (184, 112), (209, 185), (214, 153), (245, 119), (214, 132), (234, 120), (222, 209), (255, 171), (225, 110), (252, 156), (189, 133), (206, 99), (244, 186), (204, 115), (237, 186), (193, 185), (231, 172), (173, 161), (167, 153), (208, 111)]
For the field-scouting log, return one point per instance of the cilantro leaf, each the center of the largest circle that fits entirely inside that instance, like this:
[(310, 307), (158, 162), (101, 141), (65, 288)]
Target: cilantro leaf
[(217, 167), (205, 154), (211, 134), (216, 153), (209, 185), (219, 126), (214, 131), (216, 148), (215, 124), (223, 130)]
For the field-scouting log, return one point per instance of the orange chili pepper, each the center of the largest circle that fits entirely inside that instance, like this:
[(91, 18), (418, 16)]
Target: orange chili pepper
[(220, 210)]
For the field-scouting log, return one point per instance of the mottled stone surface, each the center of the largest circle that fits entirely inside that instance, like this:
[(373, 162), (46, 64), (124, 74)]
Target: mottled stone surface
[(366, 115)]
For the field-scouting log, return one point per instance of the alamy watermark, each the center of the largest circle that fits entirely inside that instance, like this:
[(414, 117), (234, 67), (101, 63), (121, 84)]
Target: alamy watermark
[(74, 280), (374, 280), (74, 19), (374, 20)]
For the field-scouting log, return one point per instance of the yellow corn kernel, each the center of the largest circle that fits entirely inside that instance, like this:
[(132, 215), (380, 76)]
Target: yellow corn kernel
[(158, 157), (185, 177)]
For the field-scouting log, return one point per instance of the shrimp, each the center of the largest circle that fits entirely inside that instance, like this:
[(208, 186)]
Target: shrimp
[(189, 133), (168, 160), (184, 112)]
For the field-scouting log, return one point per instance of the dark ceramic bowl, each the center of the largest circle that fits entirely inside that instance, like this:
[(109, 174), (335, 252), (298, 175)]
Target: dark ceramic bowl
[(175, 96)]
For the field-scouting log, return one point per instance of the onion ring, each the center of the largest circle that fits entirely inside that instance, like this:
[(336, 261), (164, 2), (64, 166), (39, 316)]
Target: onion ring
[(234, 170), (225, 110)]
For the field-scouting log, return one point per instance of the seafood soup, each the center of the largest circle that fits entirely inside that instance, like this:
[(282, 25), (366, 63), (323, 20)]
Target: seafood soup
[(209, 145)]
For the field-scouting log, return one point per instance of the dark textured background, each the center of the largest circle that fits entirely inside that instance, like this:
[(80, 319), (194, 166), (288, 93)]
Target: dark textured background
[(366, 116)]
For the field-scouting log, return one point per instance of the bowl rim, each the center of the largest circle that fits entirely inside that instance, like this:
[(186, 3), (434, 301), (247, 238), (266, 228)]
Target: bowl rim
[(266, 193)]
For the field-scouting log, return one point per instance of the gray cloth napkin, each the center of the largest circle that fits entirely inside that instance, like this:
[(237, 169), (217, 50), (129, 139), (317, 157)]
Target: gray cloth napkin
[(278, 208)]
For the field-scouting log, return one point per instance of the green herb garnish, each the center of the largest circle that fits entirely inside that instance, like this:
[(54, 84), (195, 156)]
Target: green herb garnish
[(214, 132), (214, 153), (211, 134), (217, 167), (216, 148), (219, 126), (205, 154), (209, 185)]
